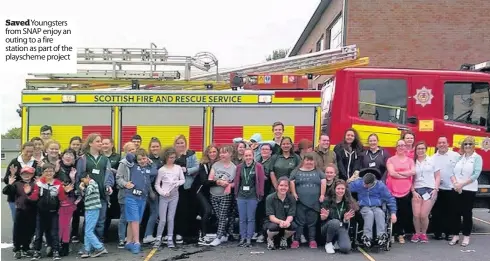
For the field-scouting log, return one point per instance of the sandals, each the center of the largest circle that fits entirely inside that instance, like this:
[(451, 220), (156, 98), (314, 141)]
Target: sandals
[(454, 241), (466, 241)]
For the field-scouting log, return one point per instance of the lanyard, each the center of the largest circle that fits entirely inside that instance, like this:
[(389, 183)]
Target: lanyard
[(92, 158), (247, 175), (341, 210)]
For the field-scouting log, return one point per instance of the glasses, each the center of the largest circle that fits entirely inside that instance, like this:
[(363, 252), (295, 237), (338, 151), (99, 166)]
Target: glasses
[(468, 144)]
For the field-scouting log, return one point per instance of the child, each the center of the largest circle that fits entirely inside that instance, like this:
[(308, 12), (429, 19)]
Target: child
[(372, 194), (90, 189), (48, 192), (25, 216), (136, 194)]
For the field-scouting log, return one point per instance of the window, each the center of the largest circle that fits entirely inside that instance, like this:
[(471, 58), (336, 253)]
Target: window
[(3, 156), (466, 102), (335, 32), (383, 100), (328, 92), (320, 45)]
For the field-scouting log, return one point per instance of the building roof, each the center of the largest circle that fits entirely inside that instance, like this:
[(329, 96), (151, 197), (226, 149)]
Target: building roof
[(11, 144), (317, 15)]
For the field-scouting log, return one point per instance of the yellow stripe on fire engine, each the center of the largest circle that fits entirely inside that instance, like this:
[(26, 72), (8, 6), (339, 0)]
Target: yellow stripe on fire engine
[(63, 137), (318, 124), (116, 127), (207, 124), (458, 139), (315, 100), (387, 136), (266, 132), (24, 129)]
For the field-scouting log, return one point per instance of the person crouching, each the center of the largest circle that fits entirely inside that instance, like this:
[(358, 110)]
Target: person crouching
[(136, 194), (48, 192), (90, 190)]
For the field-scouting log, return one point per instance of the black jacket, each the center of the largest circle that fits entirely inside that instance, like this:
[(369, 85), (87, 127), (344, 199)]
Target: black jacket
[(14, 162)]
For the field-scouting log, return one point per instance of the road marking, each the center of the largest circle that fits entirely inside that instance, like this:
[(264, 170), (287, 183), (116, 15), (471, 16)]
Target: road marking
[(150, 255), (481, 220), (6, 245), (365, 254)]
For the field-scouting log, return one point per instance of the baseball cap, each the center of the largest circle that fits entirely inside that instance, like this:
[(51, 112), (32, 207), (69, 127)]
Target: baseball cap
[(27, 169)]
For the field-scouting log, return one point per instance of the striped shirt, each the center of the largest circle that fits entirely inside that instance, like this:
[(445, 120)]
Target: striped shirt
[(92, 196)]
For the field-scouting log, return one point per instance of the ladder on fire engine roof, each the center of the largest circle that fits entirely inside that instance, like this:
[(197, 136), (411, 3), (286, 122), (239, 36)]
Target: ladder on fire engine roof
[(319, 63)]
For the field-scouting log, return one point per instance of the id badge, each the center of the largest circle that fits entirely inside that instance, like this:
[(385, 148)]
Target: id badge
[(246, 188), (372, 164), (148, 171), (95, 171), (137, 192), (426, 196)]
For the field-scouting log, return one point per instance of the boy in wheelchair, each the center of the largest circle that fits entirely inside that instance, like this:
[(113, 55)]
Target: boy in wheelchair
[(372, 194)]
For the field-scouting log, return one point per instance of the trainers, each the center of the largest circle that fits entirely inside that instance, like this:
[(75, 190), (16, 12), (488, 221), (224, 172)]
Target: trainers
[(17, 255), (136, 249), (157, 243), (329, 248), (148, 239), (179, 239), (313, 244), (216, 242), (170, 243), (121, 244), (164, 239), (129, 246), (254, 237), (260, 239), (56, 255), (36, 256), (85, 254), (204, 241), (424, 238), (75, 239), (295, 244), (224, 239), (99, 252), (283, 244), (270, 244), (303, 239), (366, 241), (26, 253), (383, 239), (415, 238)]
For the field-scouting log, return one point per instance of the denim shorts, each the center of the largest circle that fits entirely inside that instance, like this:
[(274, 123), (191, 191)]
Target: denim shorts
[(134, 209), (422, 191)]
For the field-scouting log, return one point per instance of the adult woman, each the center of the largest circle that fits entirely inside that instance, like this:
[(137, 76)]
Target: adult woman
[(92, 163), (109, 151), (186, 209), (76, 144), (375, 156), (38, 149), (284, 162), (399, 181), (465, 183), (308, 186), (348, 154), (424, 192), (239, 150), (336, 212), (67, 206), (331, 177), (13, 171), (170, 178), (222, 175), (201, 188), (249, 189), (155, 149), (260, 217), (409, 138)]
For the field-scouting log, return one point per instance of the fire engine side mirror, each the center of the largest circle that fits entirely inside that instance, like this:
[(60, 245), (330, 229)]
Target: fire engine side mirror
[(412, 120)]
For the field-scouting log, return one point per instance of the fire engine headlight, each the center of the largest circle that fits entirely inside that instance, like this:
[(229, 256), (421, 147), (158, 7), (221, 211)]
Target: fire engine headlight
[(265, 98), (68, 98)]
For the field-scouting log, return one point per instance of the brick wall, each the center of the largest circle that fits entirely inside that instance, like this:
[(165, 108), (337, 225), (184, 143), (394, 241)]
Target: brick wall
[(437, 34)]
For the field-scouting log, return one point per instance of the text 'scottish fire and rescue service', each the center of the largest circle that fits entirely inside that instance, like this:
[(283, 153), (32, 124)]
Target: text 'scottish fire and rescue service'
[(168, 98)]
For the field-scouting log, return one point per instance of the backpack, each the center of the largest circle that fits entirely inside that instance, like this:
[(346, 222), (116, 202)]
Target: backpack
[(48, 197)]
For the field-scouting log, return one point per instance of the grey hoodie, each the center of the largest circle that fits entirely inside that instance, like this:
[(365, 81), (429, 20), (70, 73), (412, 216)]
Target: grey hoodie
[(122, 178)]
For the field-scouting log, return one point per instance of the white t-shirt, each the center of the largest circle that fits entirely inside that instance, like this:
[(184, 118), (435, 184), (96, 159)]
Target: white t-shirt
[(425, 173), (446, 163)]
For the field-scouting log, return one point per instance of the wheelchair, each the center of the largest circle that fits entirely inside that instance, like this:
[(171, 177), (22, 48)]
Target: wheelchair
[(357, 223)]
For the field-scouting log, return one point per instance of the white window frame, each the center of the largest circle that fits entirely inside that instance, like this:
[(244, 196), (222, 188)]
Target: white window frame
[(336, 34)]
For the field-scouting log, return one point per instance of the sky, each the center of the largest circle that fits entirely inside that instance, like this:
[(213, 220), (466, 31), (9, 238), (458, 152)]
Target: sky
[(236, 32)]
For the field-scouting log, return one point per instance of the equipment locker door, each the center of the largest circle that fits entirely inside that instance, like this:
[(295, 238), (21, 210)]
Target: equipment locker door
[(69, 121), (164, 123), (235, 122)]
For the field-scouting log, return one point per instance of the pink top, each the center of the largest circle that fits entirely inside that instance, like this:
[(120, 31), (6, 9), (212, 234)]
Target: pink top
[(410, 153), (400, 187)]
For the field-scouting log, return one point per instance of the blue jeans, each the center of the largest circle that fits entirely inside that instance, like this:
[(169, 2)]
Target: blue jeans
[(123, 224), (99, 228), (12, 210), (92, 217), (246, 212), (152, 220)]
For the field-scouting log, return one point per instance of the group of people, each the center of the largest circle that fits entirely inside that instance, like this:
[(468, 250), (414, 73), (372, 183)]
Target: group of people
[(277, 194)]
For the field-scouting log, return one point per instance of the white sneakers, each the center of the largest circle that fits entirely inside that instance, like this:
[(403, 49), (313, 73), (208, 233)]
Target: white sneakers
[(216, 242), (148, 239), (329, 248)]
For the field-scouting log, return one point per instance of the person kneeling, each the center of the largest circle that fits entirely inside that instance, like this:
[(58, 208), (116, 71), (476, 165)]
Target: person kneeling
[(280, 207), (372, 194), (336, 212)]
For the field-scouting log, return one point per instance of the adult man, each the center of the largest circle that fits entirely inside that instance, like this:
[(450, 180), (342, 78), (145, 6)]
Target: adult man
[(445, 160), (136, 139), (280, 208), (278, 130), (325, 156), (46, 133)]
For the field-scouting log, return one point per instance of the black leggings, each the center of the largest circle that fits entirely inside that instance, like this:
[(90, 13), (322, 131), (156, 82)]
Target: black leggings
[(442, 213), (205, 211), (404, 223), (463, 208), (24, 227)]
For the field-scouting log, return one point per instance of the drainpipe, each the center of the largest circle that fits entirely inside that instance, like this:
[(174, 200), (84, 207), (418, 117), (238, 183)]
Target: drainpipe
[(344, 22)]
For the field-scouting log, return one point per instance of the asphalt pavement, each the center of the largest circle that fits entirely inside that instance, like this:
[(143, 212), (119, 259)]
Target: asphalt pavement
[(432, 251)]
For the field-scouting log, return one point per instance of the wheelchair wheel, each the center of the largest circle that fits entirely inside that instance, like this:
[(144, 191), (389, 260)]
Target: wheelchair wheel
[(389, 232)]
